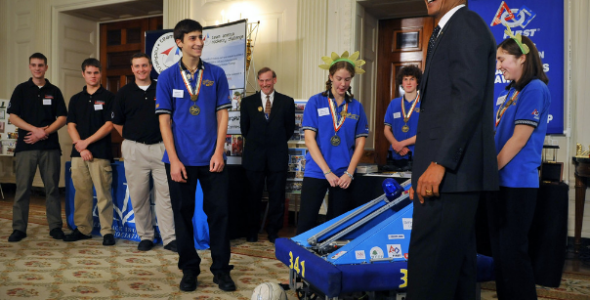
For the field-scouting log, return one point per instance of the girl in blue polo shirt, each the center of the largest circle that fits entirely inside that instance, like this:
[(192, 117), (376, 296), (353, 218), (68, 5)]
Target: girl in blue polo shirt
[(401, 118), (336, 129), (521, 123)]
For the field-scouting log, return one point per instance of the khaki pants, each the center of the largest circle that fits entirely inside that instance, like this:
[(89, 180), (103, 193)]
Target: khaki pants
[(85, 174), (25, 167), (143, 162)]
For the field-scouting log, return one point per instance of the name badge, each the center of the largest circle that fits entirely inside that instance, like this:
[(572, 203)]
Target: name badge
[(97, 106), (501, 100), (46, 101), (323, 111), (397, 115), (178, 93)]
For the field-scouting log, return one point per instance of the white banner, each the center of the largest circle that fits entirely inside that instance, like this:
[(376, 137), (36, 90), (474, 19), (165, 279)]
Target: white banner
[(225, 46)]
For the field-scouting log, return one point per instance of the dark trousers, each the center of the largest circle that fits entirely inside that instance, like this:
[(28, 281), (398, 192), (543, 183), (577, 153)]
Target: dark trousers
[(510, 216), (313, 192), (215, 204), (442, 263), (275, 183)]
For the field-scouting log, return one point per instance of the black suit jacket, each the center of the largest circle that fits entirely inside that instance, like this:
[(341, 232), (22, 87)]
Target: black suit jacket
[(456, 125), (266, 146)]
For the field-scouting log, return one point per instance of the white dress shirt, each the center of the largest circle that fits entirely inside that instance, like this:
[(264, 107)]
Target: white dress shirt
[(263, 98)]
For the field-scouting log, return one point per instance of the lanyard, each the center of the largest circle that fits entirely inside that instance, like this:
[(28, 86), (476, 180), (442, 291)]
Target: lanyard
[(505, 105), (335, 120), (407, 117), (193, 92)]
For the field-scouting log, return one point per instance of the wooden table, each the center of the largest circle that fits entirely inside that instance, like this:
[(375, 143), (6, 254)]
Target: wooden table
[(582, 174)]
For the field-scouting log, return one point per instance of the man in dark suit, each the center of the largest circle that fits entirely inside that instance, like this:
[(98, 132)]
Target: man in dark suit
[(455, 159), (267, 122)]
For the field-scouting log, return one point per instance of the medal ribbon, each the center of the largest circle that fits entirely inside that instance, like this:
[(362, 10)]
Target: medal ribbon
[(335, 121), (505, 106), (186, 80), (407, 117)]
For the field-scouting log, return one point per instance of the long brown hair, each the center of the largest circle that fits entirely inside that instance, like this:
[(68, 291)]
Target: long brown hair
[(335, 67), (532, 67)]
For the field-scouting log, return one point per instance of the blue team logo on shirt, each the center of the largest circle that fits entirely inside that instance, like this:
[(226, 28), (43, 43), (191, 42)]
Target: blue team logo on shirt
[(536, 114)]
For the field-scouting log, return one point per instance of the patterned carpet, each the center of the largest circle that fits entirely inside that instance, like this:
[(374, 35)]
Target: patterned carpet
[(40, 267)]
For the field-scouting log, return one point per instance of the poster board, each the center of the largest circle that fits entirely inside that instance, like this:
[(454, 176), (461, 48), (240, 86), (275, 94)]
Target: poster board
[(8, 132)]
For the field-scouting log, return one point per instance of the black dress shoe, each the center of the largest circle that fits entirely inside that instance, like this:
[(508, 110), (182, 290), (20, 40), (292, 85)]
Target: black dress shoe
[(57, 233), (145, 245), (172, 246), (108, 240), (272, 238), (76, 236), (189, 280), (252, 237), (16, 236), (224, 281)]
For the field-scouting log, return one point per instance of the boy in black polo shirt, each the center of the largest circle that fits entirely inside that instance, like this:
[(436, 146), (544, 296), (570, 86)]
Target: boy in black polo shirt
[(38, 109), (89, 126), (135, 119)]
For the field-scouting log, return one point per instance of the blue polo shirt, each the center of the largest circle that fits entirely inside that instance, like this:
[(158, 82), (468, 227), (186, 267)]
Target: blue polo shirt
[(531, 107), (317, 117), (394, 118), (194, 136)]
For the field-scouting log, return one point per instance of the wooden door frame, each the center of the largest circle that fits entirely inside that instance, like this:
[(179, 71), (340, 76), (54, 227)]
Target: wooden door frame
[(384, 75)]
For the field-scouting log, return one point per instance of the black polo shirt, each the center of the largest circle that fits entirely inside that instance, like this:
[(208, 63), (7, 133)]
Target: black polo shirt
[(90, 113), (135, 109), (39, 107)]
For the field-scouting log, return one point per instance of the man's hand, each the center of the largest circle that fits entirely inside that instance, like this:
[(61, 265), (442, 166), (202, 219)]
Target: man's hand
[(397, 146), (404, 151), (216, 164), (429, 182), (178, 171), (344, 181), (86, 155), (81, 145), (36, 135)]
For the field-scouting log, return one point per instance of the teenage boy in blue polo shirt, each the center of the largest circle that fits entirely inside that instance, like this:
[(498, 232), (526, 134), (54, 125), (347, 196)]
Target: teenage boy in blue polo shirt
[(192, 98), (401, 118)]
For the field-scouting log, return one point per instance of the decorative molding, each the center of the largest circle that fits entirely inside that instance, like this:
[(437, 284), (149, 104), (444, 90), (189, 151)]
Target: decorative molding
[(176, 10), (312, 28)]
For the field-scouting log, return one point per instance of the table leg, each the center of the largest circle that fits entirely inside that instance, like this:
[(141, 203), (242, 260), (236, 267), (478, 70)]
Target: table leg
[(580, 201)]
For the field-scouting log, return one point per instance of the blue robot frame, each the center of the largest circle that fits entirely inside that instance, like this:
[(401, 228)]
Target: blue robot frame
[(364, 250)]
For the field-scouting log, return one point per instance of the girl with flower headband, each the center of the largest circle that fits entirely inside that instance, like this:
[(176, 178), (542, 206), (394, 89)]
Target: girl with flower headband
[(521, 124), (335, 127)]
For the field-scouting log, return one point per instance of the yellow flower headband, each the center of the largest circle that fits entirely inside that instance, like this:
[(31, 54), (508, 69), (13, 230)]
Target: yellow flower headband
[(518, 39), (352, 59)]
